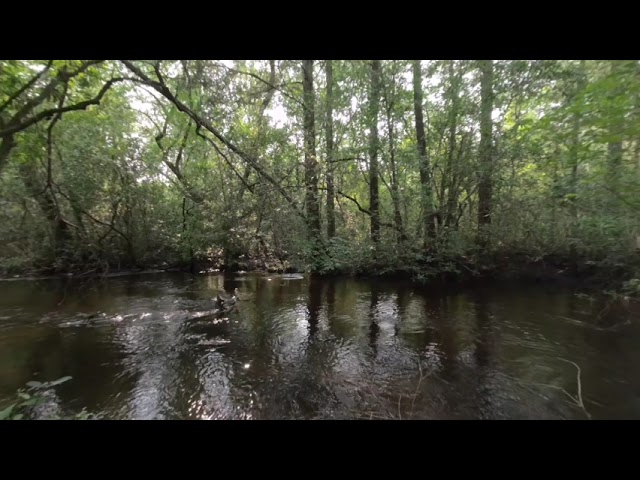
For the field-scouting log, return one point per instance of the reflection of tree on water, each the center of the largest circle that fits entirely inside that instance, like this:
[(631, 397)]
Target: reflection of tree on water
[(374, 328), (331, 303), (403, 297), (210, 361), (484, 353), (314, 305), (260, 385), (445, 379), (438, 317), (309, 374), (283, 354)]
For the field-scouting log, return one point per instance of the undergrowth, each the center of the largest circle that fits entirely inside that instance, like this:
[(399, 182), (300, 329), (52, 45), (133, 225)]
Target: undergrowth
[(36, 394)]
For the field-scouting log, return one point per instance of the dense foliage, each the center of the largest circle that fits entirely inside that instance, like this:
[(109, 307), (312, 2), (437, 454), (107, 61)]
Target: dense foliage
[(330, 166)]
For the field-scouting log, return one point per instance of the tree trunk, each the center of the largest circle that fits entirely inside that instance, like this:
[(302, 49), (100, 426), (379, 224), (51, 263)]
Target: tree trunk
[(395, 194), (6, 145), (451, 169), (574, 160), (331, 219), (310, 161), (49, 207), (374, 195), (421, 139), (615, 129), (636, 115), (485, 185)]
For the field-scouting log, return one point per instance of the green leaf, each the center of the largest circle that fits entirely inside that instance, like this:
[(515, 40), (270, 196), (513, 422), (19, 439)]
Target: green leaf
[(24, 396), (19, 416), (6, 413), (34, 384)]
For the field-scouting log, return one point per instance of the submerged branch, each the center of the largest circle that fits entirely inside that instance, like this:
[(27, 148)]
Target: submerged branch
[(578, 400)]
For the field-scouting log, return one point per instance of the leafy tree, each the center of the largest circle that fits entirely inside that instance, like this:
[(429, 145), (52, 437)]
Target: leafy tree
[(331, 166)]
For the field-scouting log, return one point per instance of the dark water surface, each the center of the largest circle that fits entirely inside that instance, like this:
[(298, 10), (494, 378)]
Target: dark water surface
[(301, 348)]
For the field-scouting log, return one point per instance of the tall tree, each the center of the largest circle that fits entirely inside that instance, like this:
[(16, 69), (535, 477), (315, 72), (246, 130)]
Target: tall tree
[(616, 124), (574, 159), (310, 161), (374, 107), (451, 176), (389, 96), (485, 183), (421, 139), (331, 219), (542, 142)]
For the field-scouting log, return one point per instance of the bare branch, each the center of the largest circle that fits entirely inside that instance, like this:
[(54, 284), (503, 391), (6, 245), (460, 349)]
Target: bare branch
[(226, 159), (362, 209), (578, 400), (269, 84)]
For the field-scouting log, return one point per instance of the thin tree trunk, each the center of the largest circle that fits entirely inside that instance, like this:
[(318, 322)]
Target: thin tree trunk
[(485, 184), (421, 139), (49, 207), (451, 168), (636, 115), (374, 194), (574, 160), (6, 145), (615, 131), (187, 236), (331, 219), (310, 161), (395, 194)]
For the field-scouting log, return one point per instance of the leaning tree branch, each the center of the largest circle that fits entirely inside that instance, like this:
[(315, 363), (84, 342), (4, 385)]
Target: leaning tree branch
[(26, 86), (62, 77), (226, 159), (249, 159), (54, 111)]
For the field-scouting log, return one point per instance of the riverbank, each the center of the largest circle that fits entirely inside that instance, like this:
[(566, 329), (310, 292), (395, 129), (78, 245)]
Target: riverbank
[(582, 273)]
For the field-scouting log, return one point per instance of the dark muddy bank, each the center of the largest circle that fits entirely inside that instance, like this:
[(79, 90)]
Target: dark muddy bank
[(463, 272)]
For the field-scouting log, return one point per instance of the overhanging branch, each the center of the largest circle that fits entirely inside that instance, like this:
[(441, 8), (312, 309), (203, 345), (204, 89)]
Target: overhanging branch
[(10, 130), (249, 159)]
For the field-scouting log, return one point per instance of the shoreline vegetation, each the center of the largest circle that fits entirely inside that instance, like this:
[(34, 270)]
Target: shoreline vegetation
[(436, 171), (587, 274)]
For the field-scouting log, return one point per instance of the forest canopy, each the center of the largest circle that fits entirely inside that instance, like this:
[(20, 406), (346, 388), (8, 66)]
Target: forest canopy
[(329, 166)]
